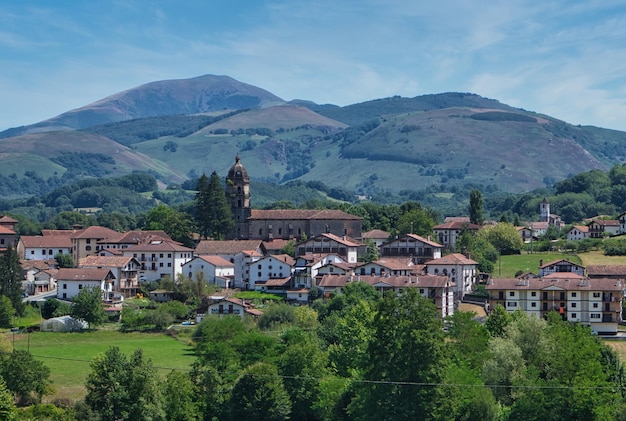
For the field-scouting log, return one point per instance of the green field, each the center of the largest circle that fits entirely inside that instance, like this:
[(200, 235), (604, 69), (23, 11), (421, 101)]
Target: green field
[(507, 266), (68, 355)]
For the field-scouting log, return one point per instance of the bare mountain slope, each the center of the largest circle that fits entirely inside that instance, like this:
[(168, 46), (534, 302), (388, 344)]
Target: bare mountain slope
[(201, 94)]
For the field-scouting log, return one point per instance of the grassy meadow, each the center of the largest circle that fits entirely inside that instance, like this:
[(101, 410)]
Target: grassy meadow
[(68, 355), (507, 266)]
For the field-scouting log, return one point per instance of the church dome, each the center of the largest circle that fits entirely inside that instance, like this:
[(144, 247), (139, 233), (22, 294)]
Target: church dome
[(237, 170)]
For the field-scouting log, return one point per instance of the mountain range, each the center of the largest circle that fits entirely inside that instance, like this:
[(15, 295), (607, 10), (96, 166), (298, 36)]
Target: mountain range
[(178, 129)]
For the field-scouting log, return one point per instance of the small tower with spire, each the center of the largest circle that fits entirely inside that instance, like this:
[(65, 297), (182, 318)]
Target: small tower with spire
[(238, 196)]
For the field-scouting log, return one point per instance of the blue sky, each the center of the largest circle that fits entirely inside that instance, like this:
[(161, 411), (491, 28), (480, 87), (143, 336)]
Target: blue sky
[(562, 58)]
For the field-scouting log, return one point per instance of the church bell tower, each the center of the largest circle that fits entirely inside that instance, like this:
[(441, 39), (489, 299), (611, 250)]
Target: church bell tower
[(238, 195)]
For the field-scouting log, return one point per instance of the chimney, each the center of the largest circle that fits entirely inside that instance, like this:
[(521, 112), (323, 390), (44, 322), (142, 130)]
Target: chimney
[(345, 234)]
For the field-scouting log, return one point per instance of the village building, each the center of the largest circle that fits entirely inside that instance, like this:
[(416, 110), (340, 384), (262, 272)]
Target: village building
[(328, 243), (561, 265), (131, 238), (448, 233), (599, 228), (70, 281), (577, 232), (125, 269), (227, 306), (239, 252), (596, 303), (414, 246), (460, 269), (283, 224), (390, 266), (377, 236), (159, 259), (213, 270), (334, 268), (8, 237), (606, 271), (269, 268), (308, 266), (39, 247), (85, 241)]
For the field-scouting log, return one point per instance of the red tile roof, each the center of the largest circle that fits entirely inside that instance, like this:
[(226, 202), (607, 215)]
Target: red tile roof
[(105, 261), (286, 214), (452, 259), (456, 225), (569, 283), (50, 241), (227, 247), (82, 274)]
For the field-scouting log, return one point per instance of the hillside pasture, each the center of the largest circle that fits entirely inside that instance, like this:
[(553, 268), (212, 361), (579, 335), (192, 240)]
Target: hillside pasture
[(507, 266), (68, 355)]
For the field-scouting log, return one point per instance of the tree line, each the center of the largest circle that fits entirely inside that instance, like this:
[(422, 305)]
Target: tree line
[(363, 356)]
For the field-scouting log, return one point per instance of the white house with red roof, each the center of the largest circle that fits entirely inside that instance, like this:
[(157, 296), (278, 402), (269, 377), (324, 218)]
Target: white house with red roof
[(390, 266), (596, 303), (159, 259), (448, 232), (459, 268), (307, 267), (598, 228), (238, 252), (214, 270), (418, 248), (377, 236), (125, 269), (222, 306), (39, 247), (269, 268), (577, 232), (330, 243), (70, 281)]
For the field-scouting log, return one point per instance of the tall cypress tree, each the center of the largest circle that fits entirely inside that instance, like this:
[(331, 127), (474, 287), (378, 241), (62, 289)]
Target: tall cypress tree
[(476, 207), (11, 278), (213, 214), (202, 206)]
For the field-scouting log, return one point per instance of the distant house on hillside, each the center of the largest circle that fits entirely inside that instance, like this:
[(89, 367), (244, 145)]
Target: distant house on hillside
[(448, 232)]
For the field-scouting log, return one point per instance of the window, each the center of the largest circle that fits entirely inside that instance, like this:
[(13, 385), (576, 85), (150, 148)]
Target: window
[(573, 305), (573, 295), (421, 290), (88, 241), (161, 255), (80, 286), (596, 295), (595, 316), (32, 252), (64, 286), (533, 293), (258, 266), (161, 264), (169, 265), (573, 315), (88, 248), (50, 252), (64, 295), (511, 304), (511, 293), (259, 274), (595, 305), (533, 305)]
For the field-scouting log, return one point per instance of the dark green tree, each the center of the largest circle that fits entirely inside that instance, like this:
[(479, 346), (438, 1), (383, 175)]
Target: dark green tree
[(213, 214), (259, 395), (6, 312), (7, 406), (175, 223), (372, 253), (64, 260), (399, 385), (87, 306), (179, 398), (476, 207), (11, 278), (119, 388), (25, 377)]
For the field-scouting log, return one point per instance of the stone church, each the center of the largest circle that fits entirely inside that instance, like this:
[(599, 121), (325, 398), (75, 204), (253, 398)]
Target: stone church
[(285, 224)]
